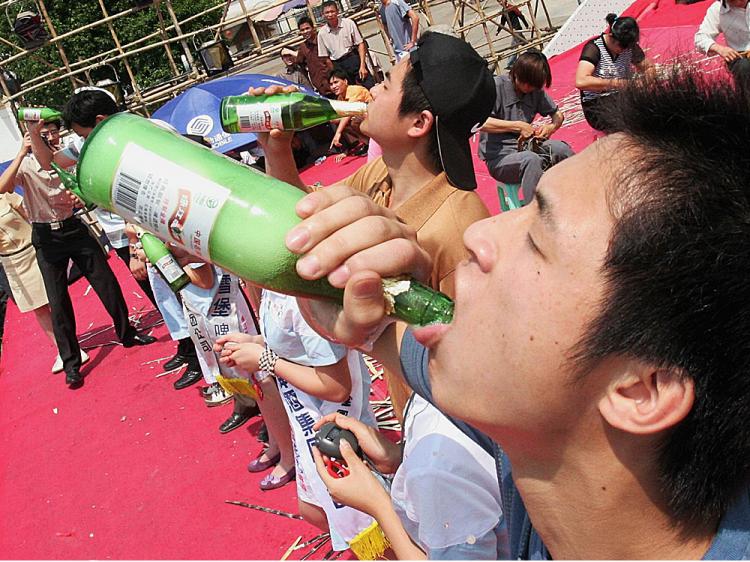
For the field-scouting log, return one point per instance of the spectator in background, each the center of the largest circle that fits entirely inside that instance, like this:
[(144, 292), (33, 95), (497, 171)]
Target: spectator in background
[(18, 260), (402, 25), (605, 66), (341, 41), (59, 236), (731, 18), (348, 134), (293, 71), (520, 97), (317, 66)]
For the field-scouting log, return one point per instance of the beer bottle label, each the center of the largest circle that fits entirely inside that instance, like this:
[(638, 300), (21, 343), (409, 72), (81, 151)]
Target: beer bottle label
[(169, 268), (32, 114), (178, 204), (257, 117)]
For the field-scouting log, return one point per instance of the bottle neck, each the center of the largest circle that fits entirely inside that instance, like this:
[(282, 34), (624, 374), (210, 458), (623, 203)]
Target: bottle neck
[(349, 108)]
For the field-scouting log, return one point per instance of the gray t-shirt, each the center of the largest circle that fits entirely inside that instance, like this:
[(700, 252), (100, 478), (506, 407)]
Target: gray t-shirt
[(509, 106), (397, 22)]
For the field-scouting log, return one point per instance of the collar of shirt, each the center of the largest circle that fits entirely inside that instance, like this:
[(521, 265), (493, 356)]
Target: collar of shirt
[(510, 96), (339, 26)]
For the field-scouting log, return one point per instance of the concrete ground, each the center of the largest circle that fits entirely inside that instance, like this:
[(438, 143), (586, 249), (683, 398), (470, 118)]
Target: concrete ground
[(443, 13)]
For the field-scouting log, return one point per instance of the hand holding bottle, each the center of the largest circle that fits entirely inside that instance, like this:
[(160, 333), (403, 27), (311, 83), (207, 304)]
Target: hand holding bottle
[(354, 242), (284, 138)]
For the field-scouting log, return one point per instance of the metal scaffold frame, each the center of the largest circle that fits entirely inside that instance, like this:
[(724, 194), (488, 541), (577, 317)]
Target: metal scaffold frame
[(487, 24)]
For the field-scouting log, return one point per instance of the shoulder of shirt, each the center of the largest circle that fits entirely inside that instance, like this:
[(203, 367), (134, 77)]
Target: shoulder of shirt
[(368, 175)]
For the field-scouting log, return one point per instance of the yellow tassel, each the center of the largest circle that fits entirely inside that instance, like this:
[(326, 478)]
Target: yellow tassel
[(237, 386), (370, 543)]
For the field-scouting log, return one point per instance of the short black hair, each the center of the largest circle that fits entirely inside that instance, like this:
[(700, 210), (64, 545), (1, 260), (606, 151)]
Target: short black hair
[(329, 3), (338, 73), (305, 19), (532, 68), (624, 30), (413, 101), (83, 107), (676, 273)]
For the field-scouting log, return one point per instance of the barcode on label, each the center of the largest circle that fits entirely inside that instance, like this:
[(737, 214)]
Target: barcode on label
[(126, 192), (246, 123)]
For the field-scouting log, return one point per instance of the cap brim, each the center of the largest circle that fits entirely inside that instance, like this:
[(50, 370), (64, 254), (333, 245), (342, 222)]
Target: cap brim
[(455, 155)]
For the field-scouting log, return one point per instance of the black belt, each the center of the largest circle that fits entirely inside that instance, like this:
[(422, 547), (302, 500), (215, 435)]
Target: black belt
[(57, 225), (16, 252)]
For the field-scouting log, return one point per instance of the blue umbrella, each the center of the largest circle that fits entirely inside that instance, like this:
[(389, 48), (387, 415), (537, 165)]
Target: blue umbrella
[(196, 110)]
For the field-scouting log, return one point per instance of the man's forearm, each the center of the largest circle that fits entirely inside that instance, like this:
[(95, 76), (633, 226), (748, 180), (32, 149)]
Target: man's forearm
[(362, 54), (8, 178), (558, 119), (280, 165)]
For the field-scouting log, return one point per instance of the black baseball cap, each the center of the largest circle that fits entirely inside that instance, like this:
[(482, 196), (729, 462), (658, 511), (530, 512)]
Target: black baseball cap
[(461, 91)]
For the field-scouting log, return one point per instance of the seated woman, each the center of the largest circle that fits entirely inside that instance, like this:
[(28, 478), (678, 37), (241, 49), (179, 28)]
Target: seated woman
[(606, 64), (730, 18)]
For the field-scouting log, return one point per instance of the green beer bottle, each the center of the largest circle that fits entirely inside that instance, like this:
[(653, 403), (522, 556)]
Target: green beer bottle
[(215, 208), (289, 112), (69, 182), (45, 114), (159, 255)]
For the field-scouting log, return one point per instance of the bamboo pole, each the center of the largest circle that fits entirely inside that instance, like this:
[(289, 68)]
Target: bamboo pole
[(116, 39), (167, 49), (486, 31), (30, 53), (387, 40), (251, 25), (60, 51), (176, 25), (223, 17)]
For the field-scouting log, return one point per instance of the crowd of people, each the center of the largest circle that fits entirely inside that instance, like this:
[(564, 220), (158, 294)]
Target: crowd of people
[(588, 399)]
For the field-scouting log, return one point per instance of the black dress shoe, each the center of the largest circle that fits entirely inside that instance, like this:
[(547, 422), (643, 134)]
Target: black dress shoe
[(74, 380), (138, 339), (238, 418), (176, 362), (188, 378)]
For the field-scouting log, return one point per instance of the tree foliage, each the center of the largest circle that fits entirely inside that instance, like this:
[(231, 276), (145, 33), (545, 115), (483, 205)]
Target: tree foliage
[(150, 67)]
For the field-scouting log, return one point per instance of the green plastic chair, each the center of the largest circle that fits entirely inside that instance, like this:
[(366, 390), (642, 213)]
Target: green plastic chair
[(508, 195)]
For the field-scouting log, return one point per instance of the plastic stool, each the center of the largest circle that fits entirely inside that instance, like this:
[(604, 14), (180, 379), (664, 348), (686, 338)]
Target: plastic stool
[(508, 195)]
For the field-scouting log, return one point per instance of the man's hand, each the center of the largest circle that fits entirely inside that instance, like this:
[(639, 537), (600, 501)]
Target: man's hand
[(384, 455), (363, 72), (727, 53), (354, 242), (525, 130), (138, 269), (336, 142), (35, 127), (360, 489), (545, 131), (25, 145)]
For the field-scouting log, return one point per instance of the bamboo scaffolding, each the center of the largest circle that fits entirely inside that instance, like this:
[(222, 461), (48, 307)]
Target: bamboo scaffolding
[(467, 15)]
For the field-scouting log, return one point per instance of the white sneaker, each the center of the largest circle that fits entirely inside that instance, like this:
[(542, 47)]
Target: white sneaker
[(57, 367), (218, 397)]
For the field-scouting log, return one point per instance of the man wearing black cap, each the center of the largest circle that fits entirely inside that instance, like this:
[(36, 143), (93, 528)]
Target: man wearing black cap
[(422, 116)]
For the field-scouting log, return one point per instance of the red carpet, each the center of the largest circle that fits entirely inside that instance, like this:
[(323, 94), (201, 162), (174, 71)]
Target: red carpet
[(128, 468)]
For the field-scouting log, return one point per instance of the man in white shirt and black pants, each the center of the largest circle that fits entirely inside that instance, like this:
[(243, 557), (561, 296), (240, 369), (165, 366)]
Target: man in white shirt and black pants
[(731, 18)]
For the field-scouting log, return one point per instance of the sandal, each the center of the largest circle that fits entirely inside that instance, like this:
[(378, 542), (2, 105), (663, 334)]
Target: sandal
[(271, 482)]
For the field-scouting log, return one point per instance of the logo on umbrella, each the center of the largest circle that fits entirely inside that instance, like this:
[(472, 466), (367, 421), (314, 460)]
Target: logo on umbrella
[(200, 125)]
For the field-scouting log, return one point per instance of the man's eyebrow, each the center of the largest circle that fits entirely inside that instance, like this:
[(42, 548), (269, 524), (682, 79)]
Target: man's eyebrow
[(545, 210)]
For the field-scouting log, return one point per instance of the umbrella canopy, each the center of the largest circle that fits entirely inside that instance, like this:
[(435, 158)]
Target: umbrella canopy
[(196, 110)]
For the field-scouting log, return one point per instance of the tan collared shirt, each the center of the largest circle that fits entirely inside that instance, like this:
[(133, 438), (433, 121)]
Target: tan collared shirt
[(439, 212), (15, 232), (45, 199), (340, 41)]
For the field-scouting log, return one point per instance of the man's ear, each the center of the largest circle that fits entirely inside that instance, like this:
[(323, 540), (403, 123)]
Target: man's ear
[(422, 123), (99, 118), (645, 399)]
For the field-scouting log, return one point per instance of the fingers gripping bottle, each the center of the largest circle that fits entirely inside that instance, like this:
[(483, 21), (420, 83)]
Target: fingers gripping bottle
[(289, 112), (215, 208)]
